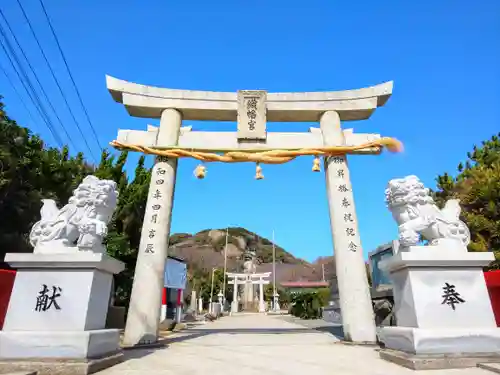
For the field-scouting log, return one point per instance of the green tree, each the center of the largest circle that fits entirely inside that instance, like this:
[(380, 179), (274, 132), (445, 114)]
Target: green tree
[(477, 185), (124, 229), (29, 172), (306, 305), (269, 292)]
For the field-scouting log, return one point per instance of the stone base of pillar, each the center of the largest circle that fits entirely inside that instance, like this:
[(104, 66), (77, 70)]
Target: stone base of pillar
[(442, 306), (163, 313), (234, 306), (441, 341), (178, 314), (44, 366), (262, 307), (333, 313), (57, 313), (59, 352), (215, 309), (439, 362), (251, 306), (192, 304)]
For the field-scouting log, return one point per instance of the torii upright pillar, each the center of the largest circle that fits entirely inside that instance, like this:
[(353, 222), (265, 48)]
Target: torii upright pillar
[(145, 301), (355, 300)]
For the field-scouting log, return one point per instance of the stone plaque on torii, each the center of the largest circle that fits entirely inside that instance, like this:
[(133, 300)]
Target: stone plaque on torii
[(250, 143)]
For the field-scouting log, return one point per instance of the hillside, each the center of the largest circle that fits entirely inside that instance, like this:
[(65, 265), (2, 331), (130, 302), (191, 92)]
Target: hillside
[(205, 250)]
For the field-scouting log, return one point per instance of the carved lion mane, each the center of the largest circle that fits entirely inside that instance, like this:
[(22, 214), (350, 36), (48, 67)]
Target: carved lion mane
[(79, 225), (418, 216)]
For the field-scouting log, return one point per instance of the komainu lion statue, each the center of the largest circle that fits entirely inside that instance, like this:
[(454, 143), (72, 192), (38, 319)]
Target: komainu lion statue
[(81, 224), (419, 218)]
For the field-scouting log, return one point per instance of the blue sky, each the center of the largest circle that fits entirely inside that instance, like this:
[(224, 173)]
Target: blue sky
[(443, 57)]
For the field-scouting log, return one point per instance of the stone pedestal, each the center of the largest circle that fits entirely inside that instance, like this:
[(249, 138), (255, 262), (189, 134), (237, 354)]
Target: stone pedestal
[(192, 303), (234, 303), (57, 314), (442, 308), (262, 305), (178, 309), (200, 305), (248, 296), (332, 313), (234, 306), (215, 309)]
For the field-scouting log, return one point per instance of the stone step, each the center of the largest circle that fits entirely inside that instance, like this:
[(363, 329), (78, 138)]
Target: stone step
[(492, 366)]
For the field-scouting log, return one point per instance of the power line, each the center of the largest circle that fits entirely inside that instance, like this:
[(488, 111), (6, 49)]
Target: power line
[(36, 78), (69, 72), (28, 85), (55, 79), (17, 93)]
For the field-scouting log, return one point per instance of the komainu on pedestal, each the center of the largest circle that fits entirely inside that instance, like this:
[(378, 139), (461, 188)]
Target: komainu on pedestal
[(418, 217), (79, 225), (443, 311), (57, 312)]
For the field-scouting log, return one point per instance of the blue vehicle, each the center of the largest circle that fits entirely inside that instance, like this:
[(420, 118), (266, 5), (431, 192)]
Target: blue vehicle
[(381, 289)]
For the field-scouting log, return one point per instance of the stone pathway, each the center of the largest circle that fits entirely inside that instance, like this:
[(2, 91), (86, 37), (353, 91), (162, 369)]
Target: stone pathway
[(258, 344)]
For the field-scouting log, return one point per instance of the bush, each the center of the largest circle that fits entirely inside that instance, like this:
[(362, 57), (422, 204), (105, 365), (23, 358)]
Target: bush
[(306, 305), (324, 296)]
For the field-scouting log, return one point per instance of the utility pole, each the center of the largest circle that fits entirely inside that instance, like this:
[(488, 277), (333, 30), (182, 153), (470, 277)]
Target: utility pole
[(323, 269), (275, 294), (225, 270)]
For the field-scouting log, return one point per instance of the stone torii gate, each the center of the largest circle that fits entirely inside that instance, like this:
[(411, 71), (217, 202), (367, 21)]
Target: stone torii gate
[(237, 279), (251, 109)]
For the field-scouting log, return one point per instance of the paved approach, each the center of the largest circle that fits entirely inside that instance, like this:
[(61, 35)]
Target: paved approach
[(252, 344)]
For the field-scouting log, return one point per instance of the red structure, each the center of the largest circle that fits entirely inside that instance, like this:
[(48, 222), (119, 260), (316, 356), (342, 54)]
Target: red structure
[(493, 283), (6, 283)]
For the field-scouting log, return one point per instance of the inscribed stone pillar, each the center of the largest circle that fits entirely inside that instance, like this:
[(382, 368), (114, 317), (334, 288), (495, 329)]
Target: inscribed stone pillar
[(145, 301), (200, 305), (178, 309), (192, 306), (249, 294), (355, 301), (234, 304), (262, 307)]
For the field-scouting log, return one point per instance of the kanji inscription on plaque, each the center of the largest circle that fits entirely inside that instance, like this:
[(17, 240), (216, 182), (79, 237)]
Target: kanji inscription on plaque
[(251, 115)]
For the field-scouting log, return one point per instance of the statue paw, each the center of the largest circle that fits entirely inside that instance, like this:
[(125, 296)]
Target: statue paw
[(409, 238)]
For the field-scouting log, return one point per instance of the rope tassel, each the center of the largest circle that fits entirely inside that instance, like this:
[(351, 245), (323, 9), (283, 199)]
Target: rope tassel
[(200, 171), (258, 172), (316, 164)]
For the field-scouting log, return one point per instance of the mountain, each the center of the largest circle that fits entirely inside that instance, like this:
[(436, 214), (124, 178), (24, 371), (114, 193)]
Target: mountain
[(205, 250)]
